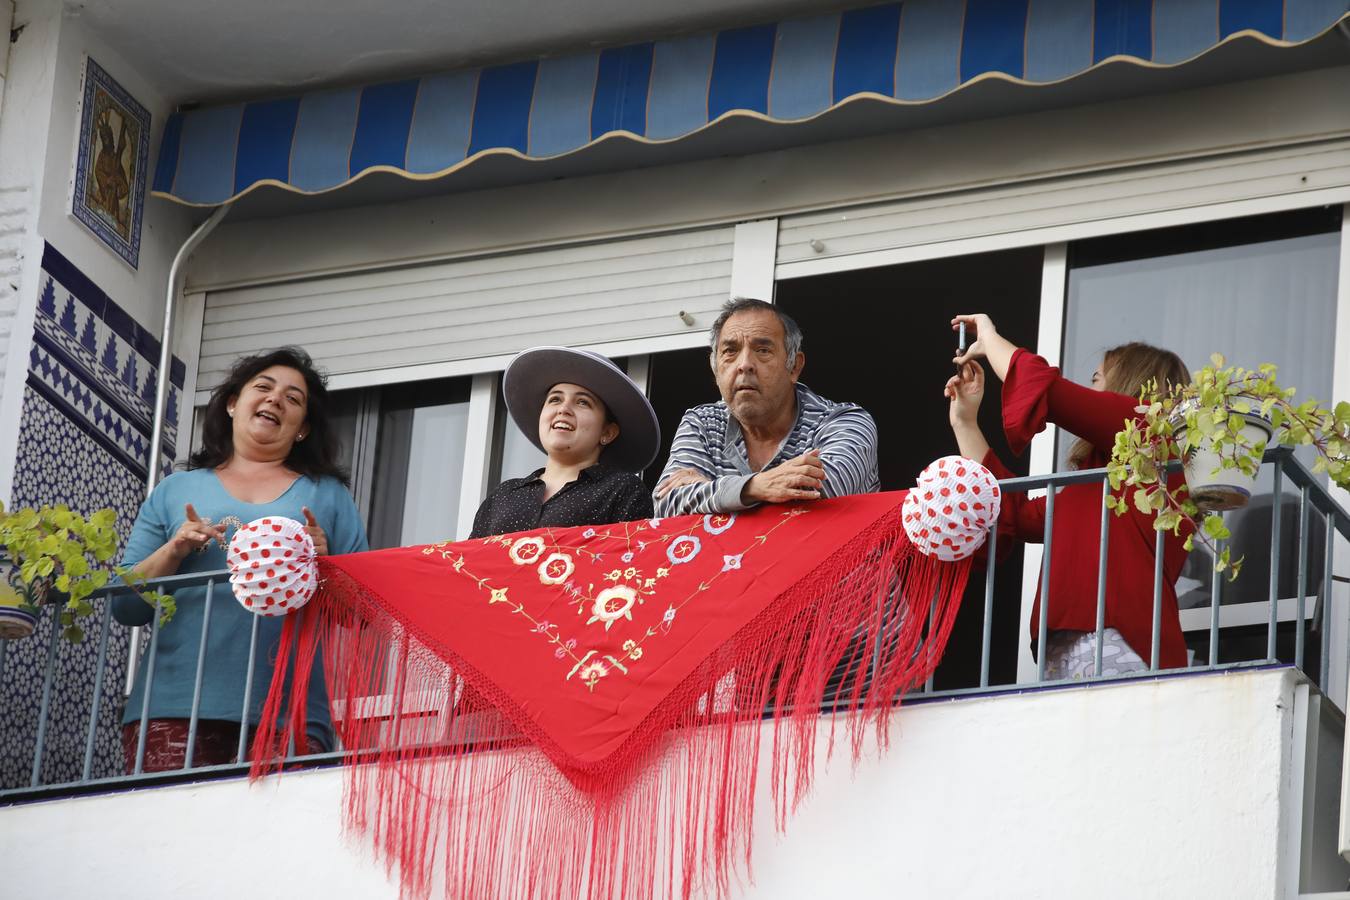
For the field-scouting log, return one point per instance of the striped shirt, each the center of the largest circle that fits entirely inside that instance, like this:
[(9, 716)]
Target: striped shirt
[(709, 441)]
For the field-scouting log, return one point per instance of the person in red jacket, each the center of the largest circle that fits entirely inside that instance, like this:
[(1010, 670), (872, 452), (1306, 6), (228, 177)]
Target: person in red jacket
[(1034, 394)]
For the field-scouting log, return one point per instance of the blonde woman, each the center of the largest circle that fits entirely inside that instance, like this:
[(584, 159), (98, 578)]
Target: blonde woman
[(1035, 394)]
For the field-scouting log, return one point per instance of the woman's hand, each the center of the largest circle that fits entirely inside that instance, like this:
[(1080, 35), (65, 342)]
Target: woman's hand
[(979, 329), (193, 534), (985, 343), (965, 390), (315, 532)]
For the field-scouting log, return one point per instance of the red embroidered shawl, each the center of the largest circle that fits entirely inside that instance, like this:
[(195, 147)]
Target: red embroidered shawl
[(598, 691)]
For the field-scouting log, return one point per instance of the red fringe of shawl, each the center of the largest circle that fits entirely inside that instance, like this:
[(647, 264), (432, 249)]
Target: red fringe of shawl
[(671, 811)]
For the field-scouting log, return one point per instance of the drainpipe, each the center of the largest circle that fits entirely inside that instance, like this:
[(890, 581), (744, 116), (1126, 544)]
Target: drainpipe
[(162, 382), (166, 342)]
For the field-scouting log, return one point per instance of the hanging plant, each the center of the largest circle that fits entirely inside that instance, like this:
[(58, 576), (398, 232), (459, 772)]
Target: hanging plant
[(53, 553), (1219, 427)]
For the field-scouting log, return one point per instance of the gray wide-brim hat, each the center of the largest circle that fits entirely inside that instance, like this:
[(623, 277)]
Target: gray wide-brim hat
[(534, 372)]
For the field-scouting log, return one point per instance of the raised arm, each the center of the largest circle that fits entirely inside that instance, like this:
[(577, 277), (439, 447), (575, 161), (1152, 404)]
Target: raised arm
[(1035, 393), (986, 342), (965, 390)]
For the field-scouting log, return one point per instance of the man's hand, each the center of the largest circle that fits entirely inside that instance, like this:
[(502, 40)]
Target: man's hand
[(681, 479), (800, 478)]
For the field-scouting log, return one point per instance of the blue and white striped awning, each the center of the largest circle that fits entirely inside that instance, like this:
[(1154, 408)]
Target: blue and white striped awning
[(906, 53)]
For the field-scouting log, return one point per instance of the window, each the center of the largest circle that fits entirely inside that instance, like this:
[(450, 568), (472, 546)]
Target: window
[(1256, 290), (882, 338), (405, 444), (415, 496)]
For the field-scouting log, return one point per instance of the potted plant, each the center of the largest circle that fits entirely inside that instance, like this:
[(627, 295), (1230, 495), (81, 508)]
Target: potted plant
[(1218, 426), (53, 554)]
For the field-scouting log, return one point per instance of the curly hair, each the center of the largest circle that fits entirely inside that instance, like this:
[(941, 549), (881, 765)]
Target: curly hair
[(315, 456)]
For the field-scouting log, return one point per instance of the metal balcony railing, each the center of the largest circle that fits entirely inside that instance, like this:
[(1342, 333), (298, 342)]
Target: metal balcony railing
[(1313, 501)]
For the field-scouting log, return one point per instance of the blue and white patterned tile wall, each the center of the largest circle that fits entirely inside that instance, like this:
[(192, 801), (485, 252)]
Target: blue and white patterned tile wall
[(84, 441)]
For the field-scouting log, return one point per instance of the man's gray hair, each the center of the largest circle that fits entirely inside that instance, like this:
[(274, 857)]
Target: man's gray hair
[(792, 332)]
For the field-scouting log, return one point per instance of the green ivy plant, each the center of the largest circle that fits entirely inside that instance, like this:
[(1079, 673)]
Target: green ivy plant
[(53, 547), (1211, 410)]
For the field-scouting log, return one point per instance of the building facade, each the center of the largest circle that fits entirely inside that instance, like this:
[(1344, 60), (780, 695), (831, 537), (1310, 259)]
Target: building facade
[(1087, 172)]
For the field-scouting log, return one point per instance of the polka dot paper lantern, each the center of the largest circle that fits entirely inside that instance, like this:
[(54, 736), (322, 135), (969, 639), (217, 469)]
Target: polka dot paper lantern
[(273, 566), (948, 513)]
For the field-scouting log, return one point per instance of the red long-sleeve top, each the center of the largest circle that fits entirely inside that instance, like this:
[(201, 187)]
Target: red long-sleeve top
[(1034, 393)]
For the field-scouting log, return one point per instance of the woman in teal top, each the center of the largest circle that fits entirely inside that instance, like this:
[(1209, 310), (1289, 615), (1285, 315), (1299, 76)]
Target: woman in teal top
[(268, 448)]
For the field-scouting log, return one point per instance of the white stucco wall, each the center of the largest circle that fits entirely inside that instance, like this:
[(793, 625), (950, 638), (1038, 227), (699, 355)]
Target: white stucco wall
[(1171, 788), (39, 124), (165, 225), (24, 117)]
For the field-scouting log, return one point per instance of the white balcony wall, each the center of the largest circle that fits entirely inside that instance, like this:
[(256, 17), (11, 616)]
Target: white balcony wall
[(1179, 787)]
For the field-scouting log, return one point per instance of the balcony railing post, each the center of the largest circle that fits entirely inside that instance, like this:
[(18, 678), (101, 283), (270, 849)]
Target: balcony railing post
[(1215, 588), (145, 694), (248, 689), (197, 682), (1155, 644), (928, 644), (1328, 592), (1275, 557), (992, 549), (46, 705), (883, 617), (97, 701), (1101, 579), (1302, 574), (1045, 582)]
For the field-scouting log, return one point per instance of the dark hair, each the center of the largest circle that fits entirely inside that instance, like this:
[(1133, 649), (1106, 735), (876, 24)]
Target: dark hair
[(792, 332), (315, 456)]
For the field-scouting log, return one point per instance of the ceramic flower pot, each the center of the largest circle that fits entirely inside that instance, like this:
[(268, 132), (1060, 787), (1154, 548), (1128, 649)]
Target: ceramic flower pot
[(1215, 489), (19, 603)]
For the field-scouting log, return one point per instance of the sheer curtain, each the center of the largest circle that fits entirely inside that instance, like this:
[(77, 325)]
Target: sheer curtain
[(419, 463), (1270, 302)]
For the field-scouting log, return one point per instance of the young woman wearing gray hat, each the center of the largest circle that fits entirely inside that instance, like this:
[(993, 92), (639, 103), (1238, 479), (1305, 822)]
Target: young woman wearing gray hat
[(597, 429)]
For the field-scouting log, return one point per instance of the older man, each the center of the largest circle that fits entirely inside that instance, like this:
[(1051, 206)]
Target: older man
[(770, 439)]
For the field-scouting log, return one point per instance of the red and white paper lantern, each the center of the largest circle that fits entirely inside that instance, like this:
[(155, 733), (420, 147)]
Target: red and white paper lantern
[(949, 512), (273, 566)]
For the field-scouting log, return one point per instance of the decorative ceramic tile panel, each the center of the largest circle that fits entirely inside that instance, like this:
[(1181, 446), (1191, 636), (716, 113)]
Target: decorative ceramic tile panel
[(84, 441)]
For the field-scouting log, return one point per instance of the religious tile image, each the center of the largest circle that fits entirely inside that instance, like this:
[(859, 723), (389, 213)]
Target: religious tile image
[(110, 168)]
